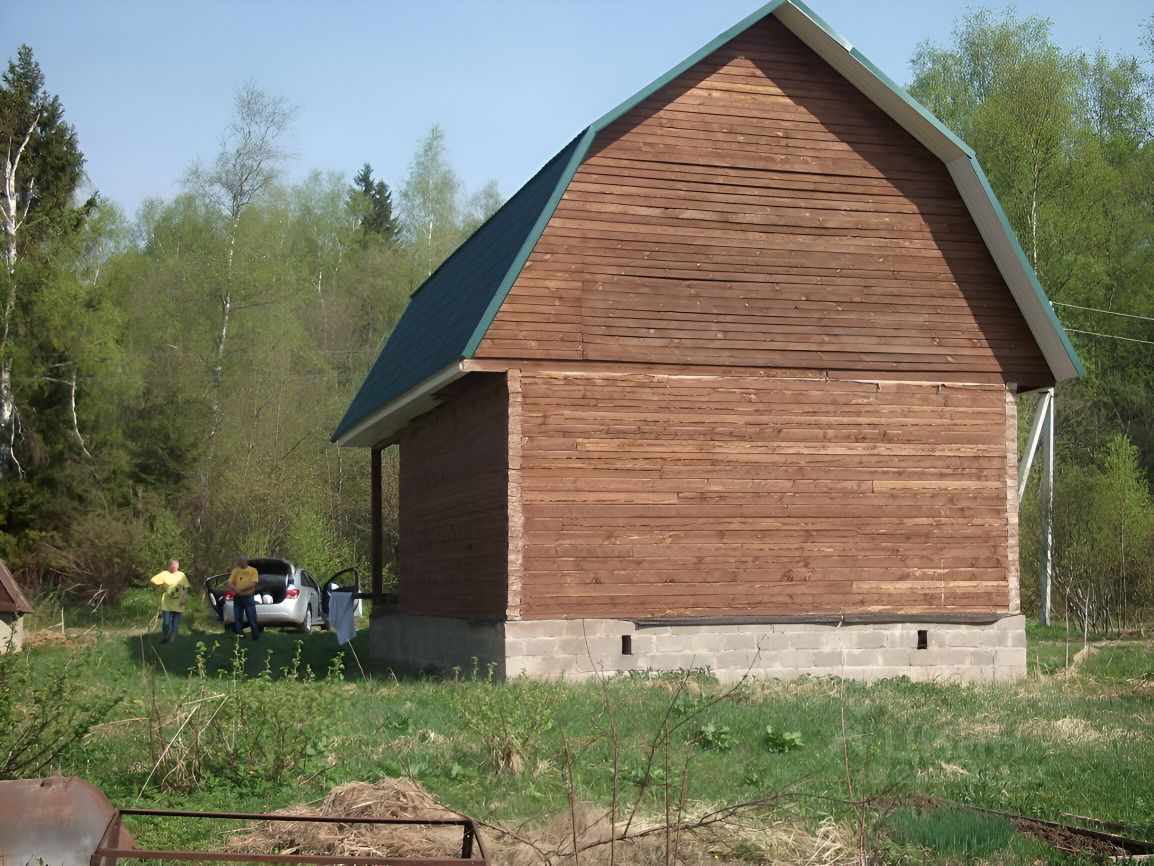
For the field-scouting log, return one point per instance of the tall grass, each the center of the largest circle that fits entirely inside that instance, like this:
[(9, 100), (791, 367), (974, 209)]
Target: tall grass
[(1049, 746)]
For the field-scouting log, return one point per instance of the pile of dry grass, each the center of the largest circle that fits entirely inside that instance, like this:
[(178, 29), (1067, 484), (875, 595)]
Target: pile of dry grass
[(392, 798)]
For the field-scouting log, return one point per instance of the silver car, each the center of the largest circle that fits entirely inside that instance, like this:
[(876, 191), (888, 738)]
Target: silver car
[(286, 595)]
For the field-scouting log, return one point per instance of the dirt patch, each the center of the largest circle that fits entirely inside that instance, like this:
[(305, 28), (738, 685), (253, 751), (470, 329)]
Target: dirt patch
[(53, 637)]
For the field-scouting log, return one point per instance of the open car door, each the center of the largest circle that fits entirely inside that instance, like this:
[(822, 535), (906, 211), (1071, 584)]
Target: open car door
[(214, 590)]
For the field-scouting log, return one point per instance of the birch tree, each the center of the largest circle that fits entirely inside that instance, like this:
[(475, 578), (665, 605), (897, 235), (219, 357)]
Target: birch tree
[(430, 202), (252, 156), (41, 167)]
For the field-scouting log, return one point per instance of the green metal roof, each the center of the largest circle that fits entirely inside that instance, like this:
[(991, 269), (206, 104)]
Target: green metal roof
[(449, 315), (443, 321)]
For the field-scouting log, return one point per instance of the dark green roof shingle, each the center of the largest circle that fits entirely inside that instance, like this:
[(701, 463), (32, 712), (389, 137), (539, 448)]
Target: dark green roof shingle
[(443, 315)]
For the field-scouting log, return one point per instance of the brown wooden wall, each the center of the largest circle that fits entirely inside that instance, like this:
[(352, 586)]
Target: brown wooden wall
[(650, 496), (452, 559), (760, 212)]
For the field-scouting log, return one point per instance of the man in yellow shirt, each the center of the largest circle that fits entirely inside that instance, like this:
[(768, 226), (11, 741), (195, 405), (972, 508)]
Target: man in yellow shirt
[(173, 596), (243, 581)]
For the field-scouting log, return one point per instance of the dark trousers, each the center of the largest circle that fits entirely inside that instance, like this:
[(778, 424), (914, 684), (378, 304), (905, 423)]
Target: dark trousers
[(169, 623), (244, 607)]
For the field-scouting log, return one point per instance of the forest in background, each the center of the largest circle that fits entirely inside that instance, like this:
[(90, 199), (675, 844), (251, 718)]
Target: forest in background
[(169, 382)]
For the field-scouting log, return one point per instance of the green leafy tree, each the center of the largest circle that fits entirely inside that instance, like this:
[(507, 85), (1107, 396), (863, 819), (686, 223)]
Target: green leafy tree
[(1103, 539), (41, 171), (436, 214), (66, 385)]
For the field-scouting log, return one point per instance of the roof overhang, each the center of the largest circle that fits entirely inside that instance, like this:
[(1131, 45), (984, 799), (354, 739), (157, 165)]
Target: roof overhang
[(379, 427)]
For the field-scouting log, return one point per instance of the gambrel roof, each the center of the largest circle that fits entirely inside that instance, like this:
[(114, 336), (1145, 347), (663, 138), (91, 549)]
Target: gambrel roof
[(451, 312)]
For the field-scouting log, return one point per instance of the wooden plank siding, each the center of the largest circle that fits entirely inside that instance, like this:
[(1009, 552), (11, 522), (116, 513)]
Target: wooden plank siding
[(646, 495), (453, 555), (759, 212)]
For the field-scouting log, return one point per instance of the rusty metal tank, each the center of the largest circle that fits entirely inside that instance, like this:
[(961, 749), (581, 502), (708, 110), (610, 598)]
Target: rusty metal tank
[(59, 821)]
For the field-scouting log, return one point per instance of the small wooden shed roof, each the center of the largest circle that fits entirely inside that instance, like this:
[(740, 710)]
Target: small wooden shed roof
[(12, 600), (450, 313)]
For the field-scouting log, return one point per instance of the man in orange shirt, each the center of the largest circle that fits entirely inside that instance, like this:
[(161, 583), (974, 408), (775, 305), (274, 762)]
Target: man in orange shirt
[(243, 581)]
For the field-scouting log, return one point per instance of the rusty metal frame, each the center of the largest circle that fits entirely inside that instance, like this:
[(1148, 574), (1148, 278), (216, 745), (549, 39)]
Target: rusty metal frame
[(108, 854)]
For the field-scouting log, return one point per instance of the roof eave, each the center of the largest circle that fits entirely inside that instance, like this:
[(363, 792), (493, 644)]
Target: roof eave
[(15, 602), (1016, 270), (377, 428)]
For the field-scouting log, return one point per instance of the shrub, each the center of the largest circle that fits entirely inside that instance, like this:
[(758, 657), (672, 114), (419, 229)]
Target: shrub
[(43, 717), (165, 539), (312, 543)]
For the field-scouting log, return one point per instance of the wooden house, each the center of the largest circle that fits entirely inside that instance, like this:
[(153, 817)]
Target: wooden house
[(13, 606), (729, 383)]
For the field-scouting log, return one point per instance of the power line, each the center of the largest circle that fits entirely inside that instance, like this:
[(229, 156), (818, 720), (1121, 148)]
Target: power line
[(1107, 312), (1111, 336)]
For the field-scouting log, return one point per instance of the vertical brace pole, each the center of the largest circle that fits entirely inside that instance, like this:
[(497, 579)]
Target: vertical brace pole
[(1047, 512), (1027, 461), (376, 530)]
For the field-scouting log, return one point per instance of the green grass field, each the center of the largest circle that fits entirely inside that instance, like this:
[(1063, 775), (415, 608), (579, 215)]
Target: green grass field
[(211, 723)]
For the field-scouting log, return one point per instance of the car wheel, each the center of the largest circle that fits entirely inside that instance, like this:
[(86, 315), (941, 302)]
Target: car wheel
[(307, 622)]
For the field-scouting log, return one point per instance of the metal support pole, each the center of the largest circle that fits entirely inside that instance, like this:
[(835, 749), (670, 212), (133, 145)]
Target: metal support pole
[(376, 529), (1027, 461), (1047, 511)]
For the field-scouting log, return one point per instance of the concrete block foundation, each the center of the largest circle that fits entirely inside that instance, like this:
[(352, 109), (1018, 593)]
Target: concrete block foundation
[(578, 649)]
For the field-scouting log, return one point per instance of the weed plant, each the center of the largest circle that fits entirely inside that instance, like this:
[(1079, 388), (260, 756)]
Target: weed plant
[(239, 731)]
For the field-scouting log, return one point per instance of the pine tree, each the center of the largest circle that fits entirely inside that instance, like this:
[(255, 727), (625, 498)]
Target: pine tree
[(373, 201)]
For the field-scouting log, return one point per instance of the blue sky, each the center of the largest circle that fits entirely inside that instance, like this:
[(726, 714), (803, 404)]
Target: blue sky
[(149, 84)]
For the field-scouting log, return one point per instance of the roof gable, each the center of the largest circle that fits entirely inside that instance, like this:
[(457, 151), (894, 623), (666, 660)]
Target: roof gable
[(450, 314), (12, 600), (758, 211)]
